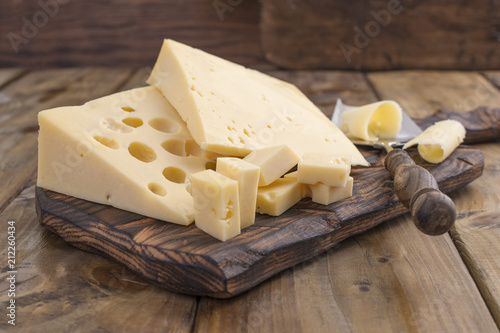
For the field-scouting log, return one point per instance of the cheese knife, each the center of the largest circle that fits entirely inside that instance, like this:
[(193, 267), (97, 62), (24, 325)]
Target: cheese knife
[(433, 212)]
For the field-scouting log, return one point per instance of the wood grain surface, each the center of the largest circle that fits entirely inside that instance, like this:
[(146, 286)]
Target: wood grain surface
[(381, 35), (124, 32), (476, 231), (390, 278), (186, 260)]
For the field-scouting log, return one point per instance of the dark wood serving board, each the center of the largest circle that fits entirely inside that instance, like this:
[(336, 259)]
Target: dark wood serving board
[(185, 259)]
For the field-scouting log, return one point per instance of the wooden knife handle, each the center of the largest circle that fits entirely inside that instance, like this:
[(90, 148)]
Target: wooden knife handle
[(433, 211), (482, 124)]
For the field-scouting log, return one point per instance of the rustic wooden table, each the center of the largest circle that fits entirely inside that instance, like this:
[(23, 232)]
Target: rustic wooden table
[(391, 278)]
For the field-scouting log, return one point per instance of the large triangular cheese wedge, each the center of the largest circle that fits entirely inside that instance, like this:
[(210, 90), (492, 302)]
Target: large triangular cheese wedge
[(130, 150), (233, 110)]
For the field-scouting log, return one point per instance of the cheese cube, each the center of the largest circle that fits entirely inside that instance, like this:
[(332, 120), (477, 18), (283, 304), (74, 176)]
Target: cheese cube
[(305, 189), (326, 195), (323, 168), (247, 176), (216, 204), (276, 198), (273, 162)]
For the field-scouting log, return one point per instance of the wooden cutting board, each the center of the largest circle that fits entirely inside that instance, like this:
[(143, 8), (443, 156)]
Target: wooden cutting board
[(186, 260)]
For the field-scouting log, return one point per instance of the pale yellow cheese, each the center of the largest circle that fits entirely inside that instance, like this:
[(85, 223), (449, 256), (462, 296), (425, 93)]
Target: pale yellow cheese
[(305, 190), (380, 120), (329, 169), (233, 110), (326, 195), (216, 204), (273, 161), (247, 176), (276, 198), (438, 141), (130, 150)]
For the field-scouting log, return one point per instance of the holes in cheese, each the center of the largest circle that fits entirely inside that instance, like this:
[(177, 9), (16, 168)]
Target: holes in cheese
[(110, 143), (278, 112), (157, 189), (247, 176), (128, 109), (175, 175), (175, 147), (142, 152), (438, 141), (164, 125), (380, 120), (273, 162), (115, 126), (132, 122), (216, 204), (115, 176)]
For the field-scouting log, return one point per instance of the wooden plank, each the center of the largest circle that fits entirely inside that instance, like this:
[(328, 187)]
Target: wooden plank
[(386, 279), (6, 75), (379, 34), (124, 32), (29, 95), (476, 232), (494, 77), (62, 289)]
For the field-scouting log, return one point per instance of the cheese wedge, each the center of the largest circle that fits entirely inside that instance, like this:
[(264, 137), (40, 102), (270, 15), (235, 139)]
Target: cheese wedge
[(247, 176), (130, 150), (232, 110), (438, 141), (216, 204), (380, 120)]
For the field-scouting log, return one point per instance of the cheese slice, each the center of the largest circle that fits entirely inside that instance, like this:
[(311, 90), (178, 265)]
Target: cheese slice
[(380, 120), (233, 110), (247, 176), (216, 204), (130, 150), (438, 141)]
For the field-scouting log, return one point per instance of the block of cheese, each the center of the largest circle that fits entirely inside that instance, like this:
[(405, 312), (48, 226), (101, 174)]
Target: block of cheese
[(216, 204), (438, 141), (329, 169), (234, 110), (247, 176), (276, 198), (326, 195), (380, 120), (273, 162), (305, 189), (130, 150)]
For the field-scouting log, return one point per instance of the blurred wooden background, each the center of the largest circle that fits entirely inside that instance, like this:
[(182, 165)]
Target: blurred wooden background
[(358, 34)]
